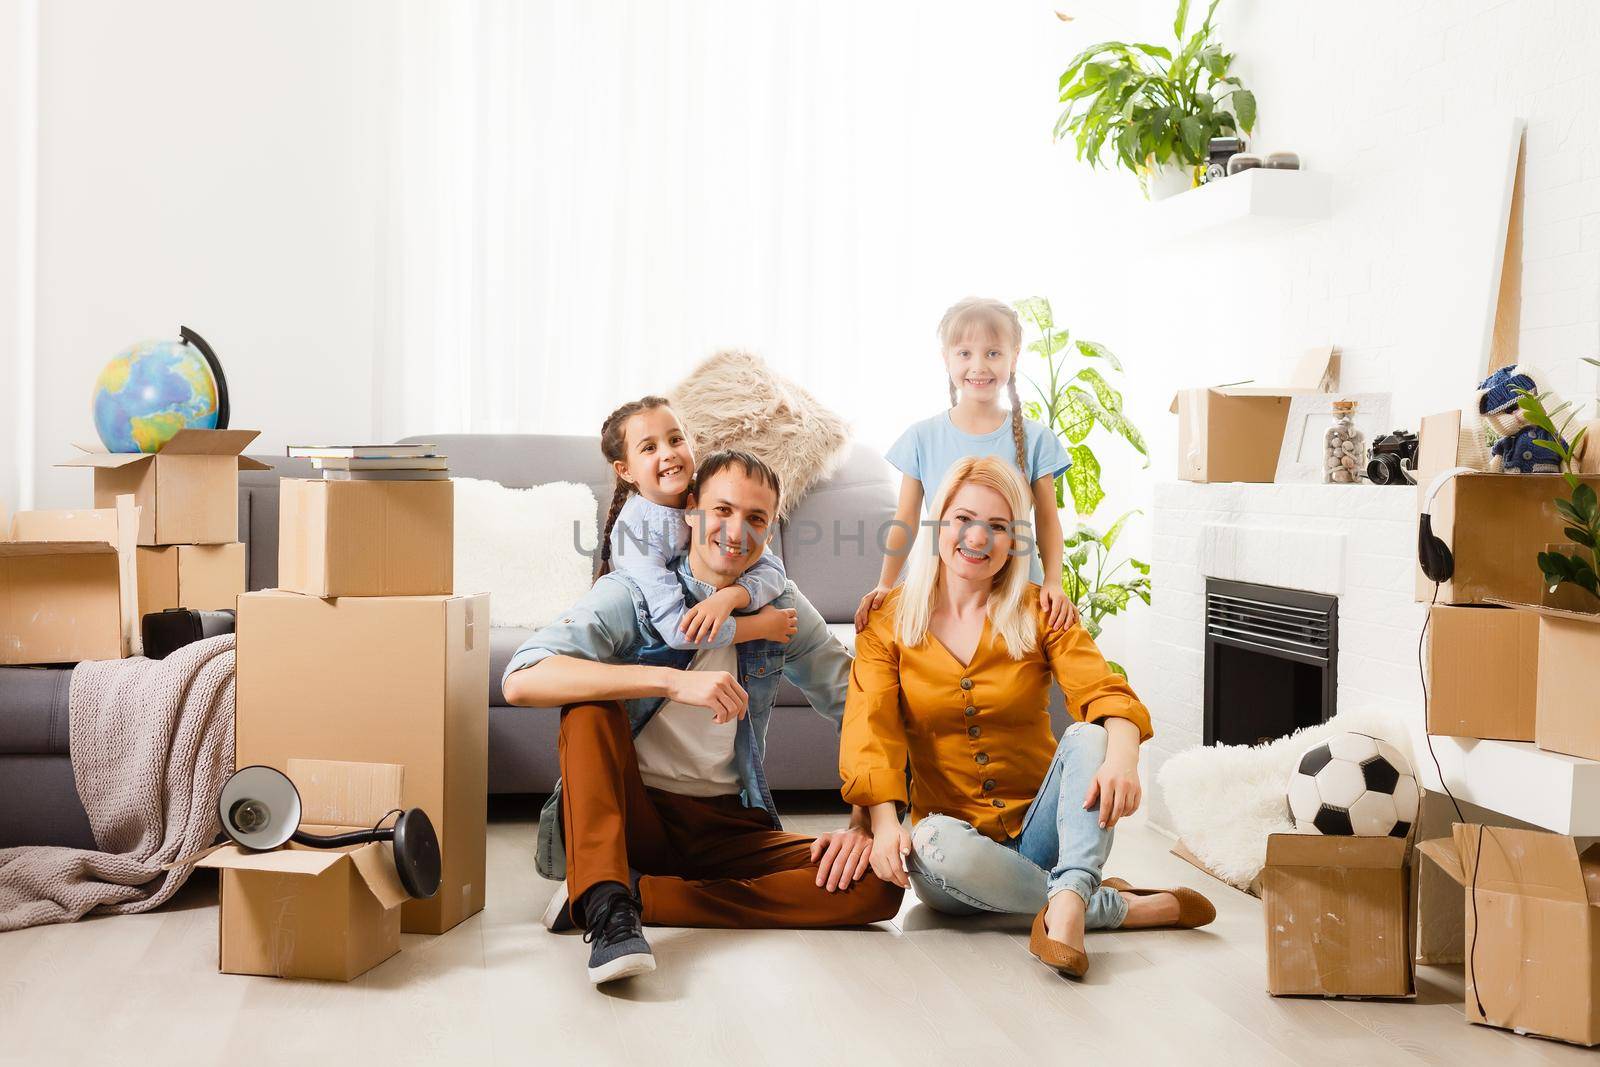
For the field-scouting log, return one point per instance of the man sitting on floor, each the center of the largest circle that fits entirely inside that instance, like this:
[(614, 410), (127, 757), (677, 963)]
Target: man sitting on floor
[(665, 812)]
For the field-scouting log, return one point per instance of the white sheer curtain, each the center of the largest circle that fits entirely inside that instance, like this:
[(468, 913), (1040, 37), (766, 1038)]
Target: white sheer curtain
[(585, 199)]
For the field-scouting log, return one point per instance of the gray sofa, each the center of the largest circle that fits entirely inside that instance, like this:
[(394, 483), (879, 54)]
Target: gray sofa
[(41, 802), (831, 572)]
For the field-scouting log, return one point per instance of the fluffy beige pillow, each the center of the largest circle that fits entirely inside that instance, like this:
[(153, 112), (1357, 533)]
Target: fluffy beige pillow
[(734, 400)]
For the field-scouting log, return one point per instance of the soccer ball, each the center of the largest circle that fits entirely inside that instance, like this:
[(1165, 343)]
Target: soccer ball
[(1353, 784)]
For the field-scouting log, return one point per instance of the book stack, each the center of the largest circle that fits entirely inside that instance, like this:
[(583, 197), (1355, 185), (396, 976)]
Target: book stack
[(375, 463)]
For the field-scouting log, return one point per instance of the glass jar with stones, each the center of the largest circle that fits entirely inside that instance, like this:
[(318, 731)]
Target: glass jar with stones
[(1344, 447)]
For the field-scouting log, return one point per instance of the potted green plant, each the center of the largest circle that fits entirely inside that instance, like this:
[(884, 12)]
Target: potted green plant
[(1074, 397), (1153, 109), (1575, 565)]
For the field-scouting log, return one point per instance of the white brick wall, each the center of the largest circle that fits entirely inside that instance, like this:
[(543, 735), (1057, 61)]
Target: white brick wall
[(1353, 542), (1351, 88)]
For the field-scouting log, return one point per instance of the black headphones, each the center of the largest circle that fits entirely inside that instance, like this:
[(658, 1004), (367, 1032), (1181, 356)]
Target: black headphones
[(1437, 561)]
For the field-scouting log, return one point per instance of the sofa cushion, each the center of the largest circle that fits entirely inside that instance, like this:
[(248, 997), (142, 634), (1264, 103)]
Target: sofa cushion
[(33, 710), (832, 544)]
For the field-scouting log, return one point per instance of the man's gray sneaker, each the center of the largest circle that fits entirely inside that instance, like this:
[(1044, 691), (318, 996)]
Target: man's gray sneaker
[(618, 948)]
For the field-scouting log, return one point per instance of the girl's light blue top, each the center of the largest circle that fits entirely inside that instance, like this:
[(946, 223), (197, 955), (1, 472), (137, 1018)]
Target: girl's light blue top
[(929, 448)]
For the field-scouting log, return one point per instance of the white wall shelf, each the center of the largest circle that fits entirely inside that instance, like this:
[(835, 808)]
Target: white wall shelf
[(1559, 793), (1252, 202)]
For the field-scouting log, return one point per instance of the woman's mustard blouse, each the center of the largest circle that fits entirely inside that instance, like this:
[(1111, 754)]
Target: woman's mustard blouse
[(977, 736)]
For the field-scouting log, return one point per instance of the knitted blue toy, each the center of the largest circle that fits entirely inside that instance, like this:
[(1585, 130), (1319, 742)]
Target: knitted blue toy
[(1518, 454), (1497, 399)]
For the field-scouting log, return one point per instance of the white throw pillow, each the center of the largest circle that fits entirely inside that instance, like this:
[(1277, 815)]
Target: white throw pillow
[(517, 545)]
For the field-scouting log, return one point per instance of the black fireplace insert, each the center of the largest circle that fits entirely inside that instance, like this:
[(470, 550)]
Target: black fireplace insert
[(1271, 661)]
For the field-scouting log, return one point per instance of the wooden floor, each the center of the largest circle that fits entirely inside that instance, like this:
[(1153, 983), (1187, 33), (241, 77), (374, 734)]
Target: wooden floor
[(922, 990)]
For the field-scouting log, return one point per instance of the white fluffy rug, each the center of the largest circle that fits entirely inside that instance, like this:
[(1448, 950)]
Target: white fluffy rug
[(1225, 800), (734, 400), (517, 546)]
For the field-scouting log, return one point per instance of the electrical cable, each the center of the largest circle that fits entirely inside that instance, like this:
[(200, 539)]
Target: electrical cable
[(1422, 674)]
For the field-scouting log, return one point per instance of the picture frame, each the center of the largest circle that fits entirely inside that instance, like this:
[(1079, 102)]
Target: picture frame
[(1310, 415)]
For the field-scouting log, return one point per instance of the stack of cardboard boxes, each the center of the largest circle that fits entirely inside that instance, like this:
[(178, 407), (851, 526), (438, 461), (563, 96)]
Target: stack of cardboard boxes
[(364, 655), (163, 533), (189, 552), (1504, 664)]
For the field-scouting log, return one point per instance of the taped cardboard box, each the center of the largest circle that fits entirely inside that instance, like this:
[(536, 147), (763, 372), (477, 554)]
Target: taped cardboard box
[(1496, 525), (1535, 965), (401, 680), (67, 585), (205, 577), (1483, 672), (366, 538), (1233, 433), (1338, 916), (188, 493), (300, 912)]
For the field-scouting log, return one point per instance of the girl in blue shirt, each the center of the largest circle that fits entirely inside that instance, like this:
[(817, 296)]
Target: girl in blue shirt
[(981, 340)]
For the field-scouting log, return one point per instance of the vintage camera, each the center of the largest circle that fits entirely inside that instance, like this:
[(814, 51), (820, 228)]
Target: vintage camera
[(1392, 457), (1218, 151)]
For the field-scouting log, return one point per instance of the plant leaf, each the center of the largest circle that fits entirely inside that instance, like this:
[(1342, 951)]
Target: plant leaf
[(1140, 566), (1083, 479), (1036, 309), (1109, 398), (1244, 105), (1118, 423), (1095, 350), (1117, 668), (1078, 414), (1180, 19), (1110, 538)]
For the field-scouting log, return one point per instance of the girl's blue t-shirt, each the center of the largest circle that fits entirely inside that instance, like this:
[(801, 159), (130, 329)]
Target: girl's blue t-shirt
[(927, 450)]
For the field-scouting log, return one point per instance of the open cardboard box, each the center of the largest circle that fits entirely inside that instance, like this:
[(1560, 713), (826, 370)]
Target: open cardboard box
[(301, 912), (204, 577), (366, 538), (1233, 433), (1496, 525), (68, 590), (1338, 916), (188, 493), (1536, 962), (401, 680)]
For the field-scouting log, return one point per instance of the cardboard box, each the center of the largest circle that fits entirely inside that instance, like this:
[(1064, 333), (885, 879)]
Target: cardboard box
[(67, 585), (207, 577), (401, 680), (1338, 916), (1233, 433), (301, 912), (1537, 955), (1440, 920), (1569, 652), (188, 493), (366, 538), (1496, 525), (1483, 672)]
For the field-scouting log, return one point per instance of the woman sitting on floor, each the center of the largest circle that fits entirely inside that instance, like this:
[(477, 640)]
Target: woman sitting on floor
[(952, 675)]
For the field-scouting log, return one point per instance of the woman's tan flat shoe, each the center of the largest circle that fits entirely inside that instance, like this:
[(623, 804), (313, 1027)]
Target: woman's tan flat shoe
[(1051, 953), (1194, 909)]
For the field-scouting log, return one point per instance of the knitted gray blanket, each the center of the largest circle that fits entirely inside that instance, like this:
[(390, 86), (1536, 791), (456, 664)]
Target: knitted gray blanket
[(152, 744)]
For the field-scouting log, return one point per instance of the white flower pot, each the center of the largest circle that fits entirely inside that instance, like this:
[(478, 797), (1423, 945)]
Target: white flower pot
[(1169, 179)]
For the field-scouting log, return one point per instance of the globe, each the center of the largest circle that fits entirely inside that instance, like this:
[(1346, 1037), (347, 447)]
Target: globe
[(151, 391)]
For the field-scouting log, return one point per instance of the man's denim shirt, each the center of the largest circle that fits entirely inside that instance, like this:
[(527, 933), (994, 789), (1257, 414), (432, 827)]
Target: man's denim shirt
[(611, 624)]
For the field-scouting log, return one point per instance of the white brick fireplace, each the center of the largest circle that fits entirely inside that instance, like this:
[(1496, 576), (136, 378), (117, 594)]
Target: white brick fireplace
[(1357, 543)]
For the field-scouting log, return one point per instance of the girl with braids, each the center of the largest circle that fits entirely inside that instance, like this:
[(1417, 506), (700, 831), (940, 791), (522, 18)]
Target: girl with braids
[(980, 341), (645, 532)]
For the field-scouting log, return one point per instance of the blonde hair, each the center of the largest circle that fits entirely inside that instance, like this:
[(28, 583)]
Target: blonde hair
[(1011, 619), (1000, 320)]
